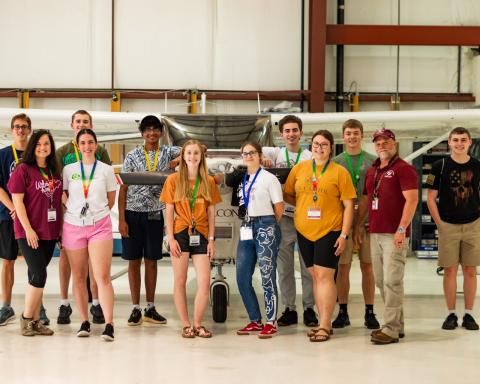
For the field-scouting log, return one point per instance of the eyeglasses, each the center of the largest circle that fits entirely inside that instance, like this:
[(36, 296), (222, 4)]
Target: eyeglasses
[(20, 127), (251, 153), (318, 145)]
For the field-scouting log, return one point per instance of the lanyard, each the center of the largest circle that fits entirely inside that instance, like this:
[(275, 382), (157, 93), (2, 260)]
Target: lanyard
[(193, 198), (288, 157), (15, 155), (355, 175), (376, 184), (155, 161), (314, 177), (77, 155), (86, 185), (246, 196)]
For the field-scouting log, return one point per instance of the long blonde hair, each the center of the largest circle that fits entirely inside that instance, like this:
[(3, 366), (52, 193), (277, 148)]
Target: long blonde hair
[(182, 189)]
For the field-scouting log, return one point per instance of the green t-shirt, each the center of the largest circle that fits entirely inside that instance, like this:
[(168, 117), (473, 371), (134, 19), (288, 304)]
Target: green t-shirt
[(66, 155)]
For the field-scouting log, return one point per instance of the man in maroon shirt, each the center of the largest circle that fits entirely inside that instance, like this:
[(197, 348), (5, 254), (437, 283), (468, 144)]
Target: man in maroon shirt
[(391, 197)]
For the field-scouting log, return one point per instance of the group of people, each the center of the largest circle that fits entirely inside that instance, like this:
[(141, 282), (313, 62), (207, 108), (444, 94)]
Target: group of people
[(331, 207)]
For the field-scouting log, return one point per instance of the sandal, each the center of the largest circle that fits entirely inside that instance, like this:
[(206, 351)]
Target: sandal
[(313, 331), (320, 337), (201, 331), (188, 332)]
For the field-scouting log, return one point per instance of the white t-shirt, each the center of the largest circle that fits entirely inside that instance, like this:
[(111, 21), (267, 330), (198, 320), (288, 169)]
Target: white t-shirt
[(279, 159), (103, 181), (265, 192)]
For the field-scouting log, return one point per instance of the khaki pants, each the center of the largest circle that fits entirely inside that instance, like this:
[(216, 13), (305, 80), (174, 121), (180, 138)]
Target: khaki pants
[(389, 267)]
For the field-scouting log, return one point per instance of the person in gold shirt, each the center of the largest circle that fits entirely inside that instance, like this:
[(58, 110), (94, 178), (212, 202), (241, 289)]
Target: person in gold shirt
[(323, 194)]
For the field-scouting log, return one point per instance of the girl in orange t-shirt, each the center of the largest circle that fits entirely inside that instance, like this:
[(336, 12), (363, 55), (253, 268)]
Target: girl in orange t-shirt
[(191, 194)]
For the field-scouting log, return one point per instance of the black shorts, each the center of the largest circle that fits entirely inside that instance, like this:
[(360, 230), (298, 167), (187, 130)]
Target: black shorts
[(183, 239), (8, 244), (145, 239), (320, 252)]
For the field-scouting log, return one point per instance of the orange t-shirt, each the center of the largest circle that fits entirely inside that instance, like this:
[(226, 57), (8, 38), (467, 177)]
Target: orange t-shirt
[(183, 214)]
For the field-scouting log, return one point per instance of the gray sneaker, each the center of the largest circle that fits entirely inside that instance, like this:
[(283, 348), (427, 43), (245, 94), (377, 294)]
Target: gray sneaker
[(41, 329), (26, 326), (7, 315)]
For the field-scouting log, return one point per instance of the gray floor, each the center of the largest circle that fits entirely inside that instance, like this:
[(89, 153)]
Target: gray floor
[(158, 354)]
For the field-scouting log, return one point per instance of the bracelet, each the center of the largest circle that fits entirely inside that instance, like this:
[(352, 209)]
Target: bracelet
[(211, 238), (344, 236)]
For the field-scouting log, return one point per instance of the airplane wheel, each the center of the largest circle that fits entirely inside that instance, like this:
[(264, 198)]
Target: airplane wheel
[(219, 303)]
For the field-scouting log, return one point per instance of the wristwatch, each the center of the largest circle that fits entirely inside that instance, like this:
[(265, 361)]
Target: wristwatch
[(211, 238), (344, 236), (401, 230)]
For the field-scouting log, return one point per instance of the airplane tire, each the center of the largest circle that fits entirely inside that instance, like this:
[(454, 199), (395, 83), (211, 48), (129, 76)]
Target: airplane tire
[(219, 303)]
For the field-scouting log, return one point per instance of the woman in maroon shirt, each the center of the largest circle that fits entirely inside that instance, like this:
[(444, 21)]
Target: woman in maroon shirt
[(36, 191)]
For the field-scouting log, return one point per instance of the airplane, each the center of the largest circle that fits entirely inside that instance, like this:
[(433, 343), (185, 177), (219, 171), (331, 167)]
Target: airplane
[(223, 135)]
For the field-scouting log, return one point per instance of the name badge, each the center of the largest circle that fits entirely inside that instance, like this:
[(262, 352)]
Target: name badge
[(194, 240), (375, 204), (52, 215), (314, 213), (246, 232)]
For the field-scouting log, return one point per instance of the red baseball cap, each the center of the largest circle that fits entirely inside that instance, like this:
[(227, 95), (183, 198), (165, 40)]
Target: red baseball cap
[(385, 133)]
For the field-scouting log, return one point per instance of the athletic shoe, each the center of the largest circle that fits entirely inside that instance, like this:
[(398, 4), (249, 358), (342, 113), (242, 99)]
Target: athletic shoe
[(371, 321), (64, 312), (41, 329), (268, 331), (152, 316), (43, 316), (451, 322), (135, 317), (84, 330), (342, 320), (250, 328), (107, 334), (288, 317), (469, 323), (7, 315), (26, 326), (97, 313), (310, 318)]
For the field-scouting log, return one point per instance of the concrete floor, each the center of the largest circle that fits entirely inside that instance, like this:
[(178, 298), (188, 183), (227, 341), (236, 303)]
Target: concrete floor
[(151, 353)]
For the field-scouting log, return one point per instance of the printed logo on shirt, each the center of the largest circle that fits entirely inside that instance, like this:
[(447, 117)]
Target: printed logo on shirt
[(430, 179), (12, 167), (43, 186), (76, 176), (389, 174)]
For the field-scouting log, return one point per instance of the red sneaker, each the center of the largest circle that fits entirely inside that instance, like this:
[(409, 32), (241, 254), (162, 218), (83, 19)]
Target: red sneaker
[(268, 331), (250, 328)]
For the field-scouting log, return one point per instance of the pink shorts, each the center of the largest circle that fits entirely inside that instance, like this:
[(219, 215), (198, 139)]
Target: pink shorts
[(75, 237)]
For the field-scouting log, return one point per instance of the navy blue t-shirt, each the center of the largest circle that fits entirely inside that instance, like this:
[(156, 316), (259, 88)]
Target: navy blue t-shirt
[(7, 165)]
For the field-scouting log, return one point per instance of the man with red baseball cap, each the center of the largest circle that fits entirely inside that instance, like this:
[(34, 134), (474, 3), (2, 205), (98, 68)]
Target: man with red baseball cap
[(391, 196)]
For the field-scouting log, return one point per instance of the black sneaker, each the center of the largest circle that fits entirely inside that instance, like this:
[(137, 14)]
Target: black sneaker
[(310, 317), (107, 334), (135, 317), (342, 320), (371, 321), (469, 323), (64, 313), (152, 316), (43, 316), (84, 330), (288, 318), (451, 322), (97, 313)]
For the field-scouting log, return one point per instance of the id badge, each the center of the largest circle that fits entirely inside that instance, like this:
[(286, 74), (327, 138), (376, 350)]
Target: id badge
[(194, 240), (156, 215), (52, 215), (314, 213), (246, 232), (375, 204)]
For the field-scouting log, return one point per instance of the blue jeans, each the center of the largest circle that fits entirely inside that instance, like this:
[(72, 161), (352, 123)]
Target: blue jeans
[(264, 248)]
